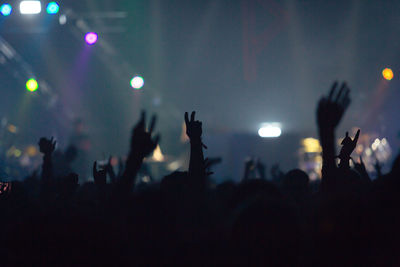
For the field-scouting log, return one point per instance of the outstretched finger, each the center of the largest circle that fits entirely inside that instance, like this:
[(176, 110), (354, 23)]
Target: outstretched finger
[(342, 89), (141, 123), (192, 116), (334, 85), (152, 123), (186, 118)]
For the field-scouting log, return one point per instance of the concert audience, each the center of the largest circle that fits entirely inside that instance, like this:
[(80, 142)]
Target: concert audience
[(51, 219)]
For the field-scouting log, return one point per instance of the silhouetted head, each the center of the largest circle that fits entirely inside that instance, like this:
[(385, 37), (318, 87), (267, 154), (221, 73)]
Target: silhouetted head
[(296, 179)]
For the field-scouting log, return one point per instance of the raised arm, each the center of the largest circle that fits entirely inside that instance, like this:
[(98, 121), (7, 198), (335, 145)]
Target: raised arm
[(142, 144), (194, 132), (348, 147), (330, 111)]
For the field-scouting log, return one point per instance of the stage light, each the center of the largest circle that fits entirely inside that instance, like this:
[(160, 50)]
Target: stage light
[(62, 19), (387, 74), (137, 82), (52, 8), (32, 85), (30, 7), (270, 131), (311, 145), (91, 38), (6, 10)]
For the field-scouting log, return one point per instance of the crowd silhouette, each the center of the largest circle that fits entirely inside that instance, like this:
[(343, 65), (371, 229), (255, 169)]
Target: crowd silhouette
[(269, 219)]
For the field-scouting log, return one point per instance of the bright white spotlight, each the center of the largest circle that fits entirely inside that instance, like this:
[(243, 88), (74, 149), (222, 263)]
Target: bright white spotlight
[(270, 131), (30, 7), (137, 82)]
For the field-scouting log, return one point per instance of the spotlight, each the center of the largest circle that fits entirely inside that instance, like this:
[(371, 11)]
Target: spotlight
[(5, 10), (52, 8), (270, 130), (91, 38), (32, 85), (137, 82), (30, 7), (387, 74)]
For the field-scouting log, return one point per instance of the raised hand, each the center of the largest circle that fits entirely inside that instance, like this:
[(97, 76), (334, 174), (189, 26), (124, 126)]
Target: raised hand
[(348, 147), (193, 127), (194, 131), (99, 176), (47, 146), (330, 109), (142, 142)]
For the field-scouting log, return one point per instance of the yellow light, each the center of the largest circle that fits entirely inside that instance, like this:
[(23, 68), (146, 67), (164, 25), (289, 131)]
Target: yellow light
[(157, 154), (311, 145), (31, 151), (17, 153), (32, 85), (387, 74)]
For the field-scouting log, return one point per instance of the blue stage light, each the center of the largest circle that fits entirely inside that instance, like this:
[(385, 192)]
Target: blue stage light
[(5, 10), (53, 8)]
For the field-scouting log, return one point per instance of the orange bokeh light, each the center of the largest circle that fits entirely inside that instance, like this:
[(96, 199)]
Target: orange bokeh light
[(387, 74)]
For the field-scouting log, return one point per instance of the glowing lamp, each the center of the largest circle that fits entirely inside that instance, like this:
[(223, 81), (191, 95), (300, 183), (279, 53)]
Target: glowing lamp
[(269, 130), (137, 82), (91, 38), (387, 74), (5, 9), (32, 85), (30, 7), (52, 8)]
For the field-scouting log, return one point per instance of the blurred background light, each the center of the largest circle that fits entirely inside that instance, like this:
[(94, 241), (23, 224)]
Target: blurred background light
[(269, 130), (32, 85), (62, 19), (311, 145), (5, 9), (30, 7), (137, 82), (91, 38), (53, 8), (387, 74)]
